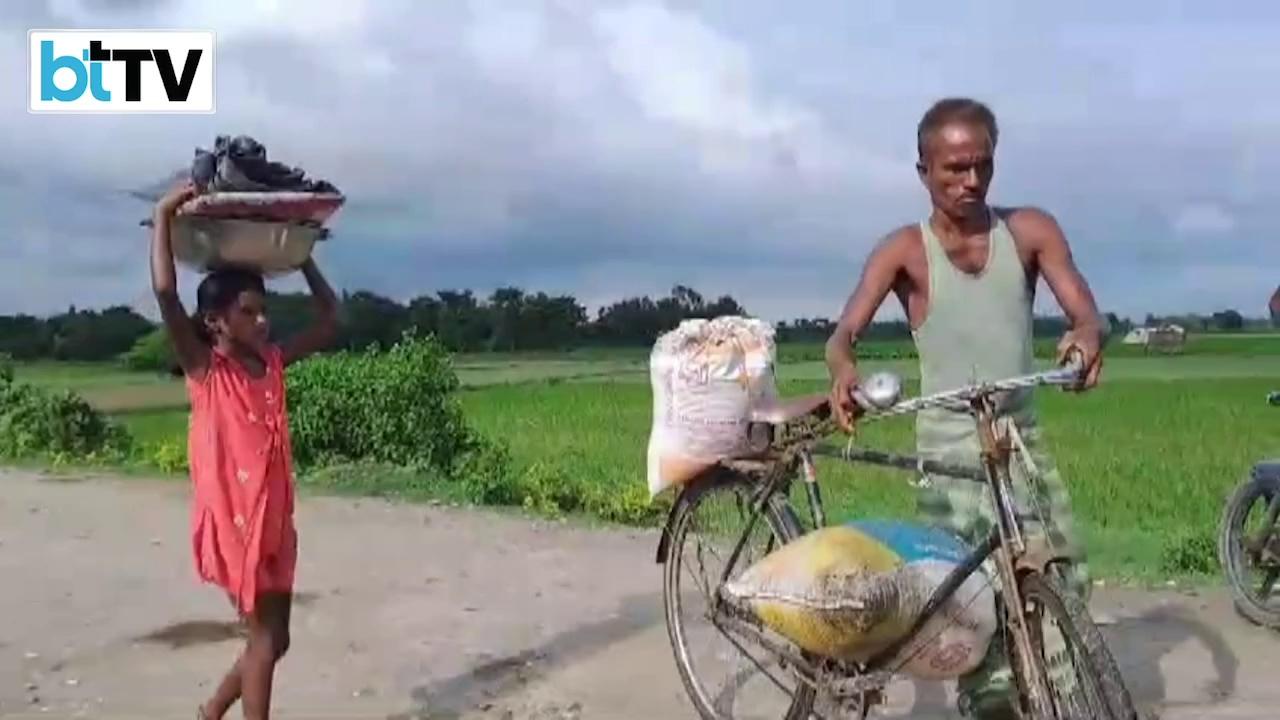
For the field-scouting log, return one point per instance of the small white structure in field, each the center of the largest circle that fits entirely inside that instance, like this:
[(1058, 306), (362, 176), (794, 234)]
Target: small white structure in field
[(1169, 337), (1137, 336)]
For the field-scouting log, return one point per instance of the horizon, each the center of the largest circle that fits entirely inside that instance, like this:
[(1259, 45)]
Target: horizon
[(735, 147), (483, 298)]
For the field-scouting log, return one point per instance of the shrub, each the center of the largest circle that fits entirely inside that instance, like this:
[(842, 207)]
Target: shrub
[(167, 456), (393, 407), (39, 423), (546, 488), (152, 352)]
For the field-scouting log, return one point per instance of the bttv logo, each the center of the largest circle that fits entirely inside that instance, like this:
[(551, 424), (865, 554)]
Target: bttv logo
[(114, 71)]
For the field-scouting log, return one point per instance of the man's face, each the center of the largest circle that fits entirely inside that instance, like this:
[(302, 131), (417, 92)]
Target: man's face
[(957, 167)]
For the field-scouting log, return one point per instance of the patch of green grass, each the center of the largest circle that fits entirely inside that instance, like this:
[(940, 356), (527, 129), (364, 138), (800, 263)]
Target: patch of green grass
[(1147, 462), (1148, 457), (107, 387), (79, 376), (156, 426)]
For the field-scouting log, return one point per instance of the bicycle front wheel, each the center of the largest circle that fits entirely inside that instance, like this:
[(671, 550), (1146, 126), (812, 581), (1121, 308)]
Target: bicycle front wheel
[(1084, 681), (726, 675)]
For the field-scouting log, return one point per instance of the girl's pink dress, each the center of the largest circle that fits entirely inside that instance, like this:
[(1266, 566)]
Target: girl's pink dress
[(241, 461)]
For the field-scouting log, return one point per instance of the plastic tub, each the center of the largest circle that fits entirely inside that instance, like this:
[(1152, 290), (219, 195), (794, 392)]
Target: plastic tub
[(273, 248)]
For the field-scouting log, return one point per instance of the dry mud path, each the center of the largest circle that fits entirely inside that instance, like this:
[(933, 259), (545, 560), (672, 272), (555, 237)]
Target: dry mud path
[(408, 611)]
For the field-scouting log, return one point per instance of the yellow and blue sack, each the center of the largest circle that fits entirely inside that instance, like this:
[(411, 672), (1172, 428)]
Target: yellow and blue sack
[(849, 591)]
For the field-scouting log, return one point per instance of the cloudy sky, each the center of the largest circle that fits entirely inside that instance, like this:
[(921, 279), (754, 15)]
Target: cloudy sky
[(609, 148)]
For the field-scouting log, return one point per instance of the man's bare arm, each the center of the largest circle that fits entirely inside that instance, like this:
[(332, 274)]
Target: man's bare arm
[(878, 276), (1058, 267)]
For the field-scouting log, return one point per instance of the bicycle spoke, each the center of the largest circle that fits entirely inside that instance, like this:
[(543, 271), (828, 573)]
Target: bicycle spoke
[(730, 668)]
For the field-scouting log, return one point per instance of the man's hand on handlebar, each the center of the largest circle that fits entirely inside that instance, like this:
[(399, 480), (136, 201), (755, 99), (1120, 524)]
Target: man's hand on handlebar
[(843, 407), (1084, 346)]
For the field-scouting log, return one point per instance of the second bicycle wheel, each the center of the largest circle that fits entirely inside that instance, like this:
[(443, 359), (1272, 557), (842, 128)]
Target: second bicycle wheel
[(1249, 550), (727, 676)]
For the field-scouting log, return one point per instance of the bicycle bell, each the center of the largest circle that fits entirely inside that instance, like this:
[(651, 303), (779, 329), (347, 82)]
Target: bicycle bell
[(880, 390)]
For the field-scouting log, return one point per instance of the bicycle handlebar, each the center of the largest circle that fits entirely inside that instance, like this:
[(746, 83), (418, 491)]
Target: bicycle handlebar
[(1069, 374)]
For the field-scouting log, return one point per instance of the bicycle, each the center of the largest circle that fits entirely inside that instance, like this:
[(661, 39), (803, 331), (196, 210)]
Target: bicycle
[(1240, 549), (784, 439)]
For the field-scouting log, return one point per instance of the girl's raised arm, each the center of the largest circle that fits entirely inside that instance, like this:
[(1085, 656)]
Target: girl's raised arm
[(324, 327), (192, 352)]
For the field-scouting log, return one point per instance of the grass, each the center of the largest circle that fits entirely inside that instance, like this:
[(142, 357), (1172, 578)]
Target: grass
[(1147, 461), (1149, 457)]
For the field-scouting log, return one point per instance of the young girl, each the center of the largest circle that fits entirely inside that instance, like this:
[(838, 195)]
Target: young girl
[(243, 535)]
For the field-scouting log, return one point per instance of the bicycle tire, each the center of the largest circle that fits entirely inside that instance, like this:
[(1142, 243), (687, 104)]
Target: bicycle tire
[(1099, 665), (1231, 553), (785, 526)]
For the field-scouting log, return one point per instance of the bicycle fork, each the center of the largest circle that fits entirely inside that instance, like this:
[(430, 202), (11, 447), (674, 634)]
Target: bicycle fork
[(995, 457)]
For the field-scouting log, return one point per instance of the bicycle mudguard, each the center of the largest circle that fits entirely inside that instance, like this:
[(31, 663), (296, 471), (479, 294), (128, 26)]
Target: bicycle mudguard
[(664, 542)]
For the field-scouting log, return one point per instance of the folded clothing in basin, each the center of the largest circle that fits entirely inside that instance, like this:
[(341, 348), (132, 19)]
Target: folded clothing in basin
[(240, 164)]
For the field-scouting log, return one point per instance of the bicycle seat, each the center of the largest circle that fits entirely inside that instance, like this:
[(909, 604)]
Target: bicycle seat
[(785, 410)]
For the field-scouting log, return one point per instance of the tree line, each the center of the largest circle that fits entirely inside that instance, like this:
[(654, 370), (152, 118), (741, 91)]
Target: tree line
[(508, 320)]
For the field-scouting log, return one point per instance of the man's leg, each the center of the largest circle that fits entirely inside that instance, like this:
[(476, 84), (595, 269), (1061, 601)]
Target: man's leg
[(1050, 502), (964, 507)]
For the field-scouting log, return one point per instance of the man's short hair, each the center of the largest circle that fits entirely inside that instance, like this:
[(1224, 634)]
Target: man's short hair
[(951, 110)]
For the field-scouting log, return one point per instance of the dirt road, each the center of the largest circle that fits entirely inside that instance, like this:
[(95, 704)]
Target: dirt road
[(417, 612)]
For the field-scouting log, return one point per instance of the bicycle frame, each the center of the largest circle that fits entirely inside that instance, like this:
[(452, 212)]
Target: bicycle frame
[(999, 441)]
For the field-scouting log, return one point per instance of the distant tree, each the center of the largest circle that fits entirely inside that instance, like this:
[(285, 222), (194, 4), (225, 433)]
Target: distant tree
[(1274, 307), (509, 319), (724, 305), (25, 337), (369, 319), (424, 315), (92, 336), (290, 313), (462, 325), (506, 307), (688, 300), (1228, 320), (549, 323)]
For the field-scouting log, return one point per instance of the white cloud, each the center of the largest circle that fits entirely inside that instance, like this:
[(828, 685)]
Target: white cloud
[(1200, 219)]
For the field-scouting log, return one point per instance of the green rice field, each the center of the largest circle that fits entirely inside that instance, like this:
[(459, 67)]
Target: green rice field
[(1149, 456)]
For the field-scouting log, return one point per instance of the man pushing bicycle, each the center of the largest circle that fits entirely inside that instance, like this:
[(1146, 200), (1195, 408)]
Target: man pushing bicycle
[(966, 279)]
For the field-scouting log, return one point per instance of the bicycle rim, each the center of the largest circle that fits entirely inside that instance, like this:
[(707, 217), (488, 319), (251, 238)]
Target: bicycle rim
[(1083, 679), (726, 676)]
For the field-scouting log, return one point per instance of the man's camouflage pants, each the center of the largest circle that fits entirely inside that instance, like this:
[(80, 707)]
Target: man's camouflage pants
[(966, 508)]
